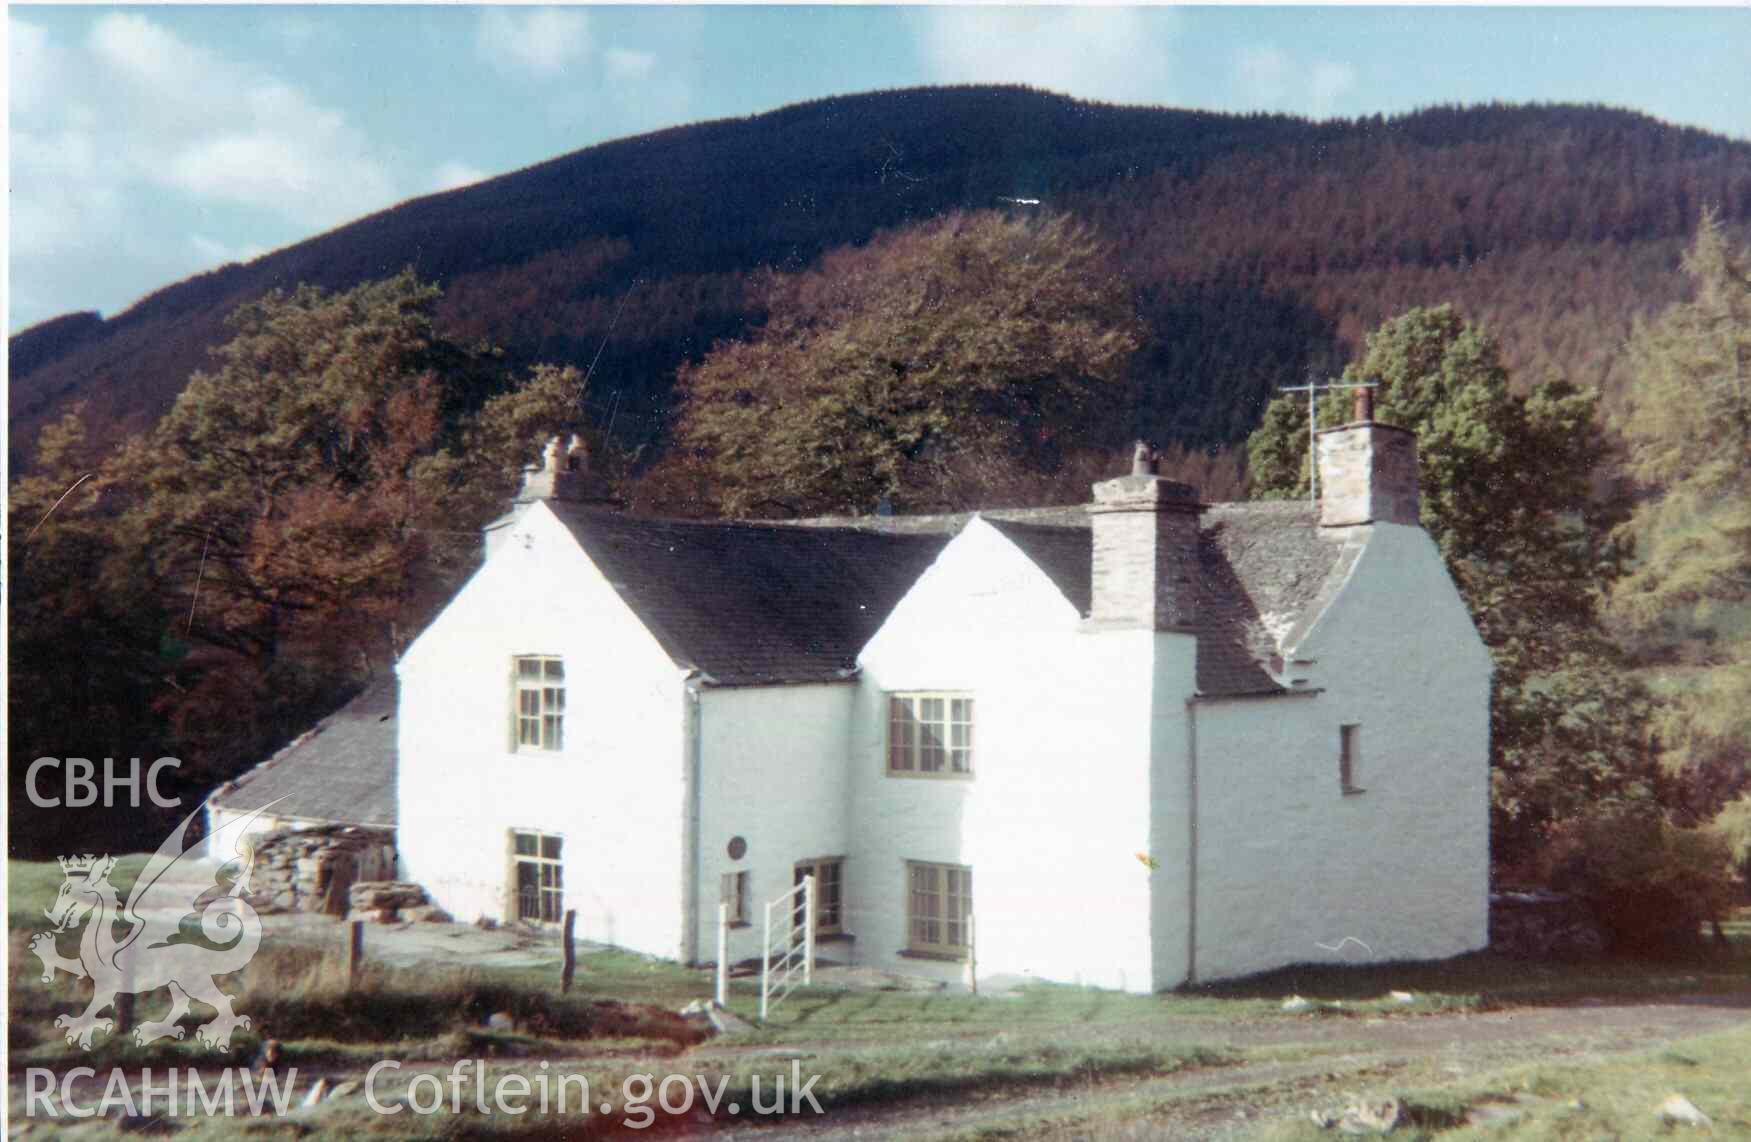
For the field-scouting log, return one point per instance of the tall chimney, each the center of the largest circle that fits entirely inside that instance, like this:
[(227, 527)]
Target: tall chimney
[(563, 474), (1145, 549), (1367, 471)]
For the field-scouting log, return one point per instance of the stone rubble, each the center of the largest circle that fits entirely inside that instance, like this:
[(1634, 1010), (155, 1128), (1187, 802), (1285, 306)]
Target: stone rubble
[(312, 870)]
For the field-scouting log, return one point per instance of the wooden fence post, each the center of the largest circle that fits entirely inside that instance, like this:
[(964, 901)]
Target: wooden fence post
[(571, 952), (124, 1002), (355, 949), (972, 955)]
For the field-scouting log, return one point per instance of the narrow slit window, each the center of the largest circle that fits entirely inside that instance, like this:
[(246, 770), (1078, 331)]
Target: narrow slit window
[(1350, 758)]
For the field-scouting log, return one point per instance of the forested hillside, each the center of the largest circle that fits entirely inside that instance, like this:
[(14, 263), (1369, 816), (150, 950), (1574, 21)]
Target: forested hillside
[(844, 304), (1260, 246)]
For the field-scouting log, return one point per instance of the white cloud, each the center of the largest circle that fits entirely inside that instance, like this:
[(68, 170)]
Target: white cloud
[(116, 131), (626, 65), (27, 62), (1114, 54), (453, 174), (540, 41), (1270, 79)]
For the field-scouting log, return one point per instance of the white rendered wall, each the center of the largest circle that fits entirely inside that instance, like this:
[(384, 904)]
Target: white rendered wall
[(1292, 870), (1058, 809), (219, 817), (614, 793), (772, 771)]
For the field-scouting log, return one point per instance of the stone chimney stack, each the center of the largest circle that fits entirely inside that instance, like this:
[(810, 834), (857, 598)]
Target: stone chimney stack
[(1145, 549), (563, 474), (1367, 471)]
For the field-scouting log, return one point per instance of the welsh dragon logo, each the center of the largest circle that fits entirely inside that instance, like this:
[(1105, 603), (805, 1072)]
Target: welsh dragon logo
[(173, 933)]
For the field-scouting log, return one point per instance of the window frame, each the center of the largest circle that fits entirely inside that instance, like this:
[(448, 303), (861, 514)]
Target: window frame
[(1350, 758), (944, 891), (915, 749), (542, 686), (542, 862), (733, 891), (813, 866)]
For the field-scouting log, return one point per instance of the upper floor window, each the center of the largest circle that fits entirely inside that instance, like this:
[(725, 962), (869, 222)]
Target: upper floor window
[(930, 735), (539, 703)]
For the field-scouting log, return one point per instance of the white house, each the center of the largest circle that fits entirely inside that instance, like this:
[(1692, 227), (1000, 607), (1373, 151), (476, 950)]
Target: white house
[(1135, 744)]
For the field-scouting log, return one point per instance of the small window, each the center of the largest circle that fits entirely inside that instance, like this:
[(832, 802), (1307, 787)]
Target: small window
[(930, 735), (939, 908), (538, 703), (829, 874), (537, 877), (733, 892), (1350, 758)]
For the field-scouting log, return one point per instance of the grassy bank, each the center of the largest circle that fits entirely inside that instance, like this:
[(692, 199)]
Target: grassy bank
[(1617, 1097)]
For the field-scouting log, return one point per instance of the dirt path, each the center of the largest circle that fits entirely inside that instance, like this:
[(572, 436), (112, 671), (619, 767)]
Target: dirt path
[(1229, 1102)]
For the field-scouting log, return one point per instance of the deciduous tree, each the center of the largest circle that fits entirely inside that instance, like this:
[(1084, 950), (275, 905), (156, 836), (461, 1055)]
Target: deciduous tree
[(308, 502), (974, 333)]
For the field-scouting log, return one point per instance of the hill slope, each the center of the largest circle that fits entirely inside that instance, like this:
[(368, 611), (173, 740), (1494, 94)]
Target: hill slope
[(1261, 246)]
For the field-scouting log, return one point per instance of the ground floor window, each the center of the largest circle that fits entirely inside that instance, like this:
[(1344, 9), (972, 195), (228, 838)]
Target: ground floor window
[(733, 892), (939, 907), (829, 874), (537, 880)]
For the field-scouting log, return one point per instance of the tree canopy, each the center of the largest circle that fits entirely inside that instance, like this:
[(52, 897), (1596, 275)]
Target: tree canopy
[(979, 333), (280, 534)]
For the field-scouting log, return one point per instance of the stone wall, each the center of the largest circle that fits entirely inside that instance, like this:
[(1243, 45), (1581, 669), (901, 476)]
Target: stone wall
[(313, 870)]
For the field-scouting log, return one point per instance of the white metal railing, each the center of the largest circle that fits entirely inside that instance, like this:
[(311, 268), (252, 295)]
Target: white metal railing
[(778, 974)]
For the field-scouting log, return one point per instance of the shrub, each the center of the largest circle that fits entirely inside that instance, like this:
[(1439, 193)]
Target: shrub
[(1651, 883), (1733, 826)]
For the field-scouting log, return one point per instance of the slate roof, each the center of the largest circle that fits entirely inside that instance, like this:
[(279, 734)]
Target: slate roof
[(765, 604), (1268, 571), (754, 604), (341, 770)]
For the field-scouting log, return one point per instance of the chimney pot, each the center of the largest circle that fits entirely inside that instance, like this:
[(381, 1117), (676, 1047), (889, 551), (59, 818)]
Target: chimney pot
[(1364, 406), (1145, 461)]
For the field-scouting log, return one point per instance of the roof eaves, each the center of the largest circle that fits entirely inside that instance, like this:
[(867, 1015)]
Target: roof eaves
[(1247, 695)]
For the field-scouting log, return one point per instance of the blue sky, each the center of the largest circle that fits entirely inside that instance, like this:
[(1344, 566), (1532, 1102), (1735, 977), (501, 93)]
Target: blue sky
[(149, 143)]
